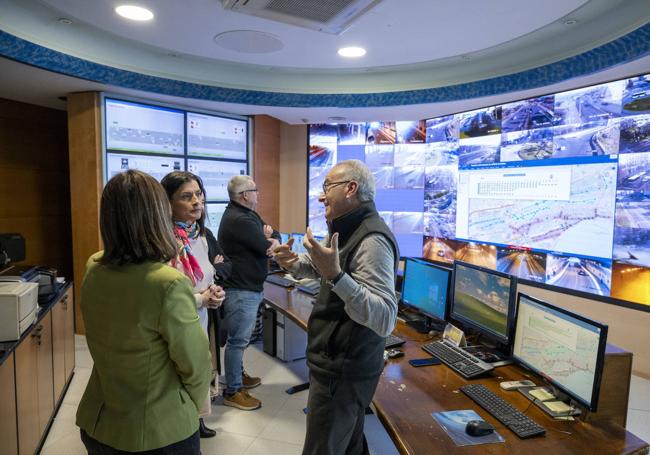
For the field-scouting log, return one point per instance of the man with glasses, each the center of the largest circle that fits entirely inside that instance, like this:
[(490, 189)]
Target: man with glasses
[(248, 241), (355, 310)]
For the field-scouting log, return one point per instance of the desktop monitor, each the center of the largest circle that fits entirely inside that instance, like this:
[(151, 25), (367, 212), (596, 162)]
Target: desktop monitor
[(298, 247), (483, 299), (565, 348), (425, 287), (284, 237)]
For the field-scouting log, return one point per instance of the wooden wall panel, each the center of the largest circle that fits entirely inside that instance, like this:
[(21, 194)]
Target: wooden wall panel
[(85, 184), (266, 167), (293, 178), (34, 185)]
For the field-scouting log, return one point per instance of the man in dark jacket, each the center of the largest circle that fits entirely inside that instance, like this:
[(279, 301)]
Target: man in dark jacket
[(355, 310), (248, 241)]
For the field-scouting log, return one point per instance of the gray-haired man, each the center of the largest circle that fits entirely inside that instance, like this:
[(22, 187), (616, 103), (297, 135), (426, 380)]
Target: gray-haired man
[(355, 310)]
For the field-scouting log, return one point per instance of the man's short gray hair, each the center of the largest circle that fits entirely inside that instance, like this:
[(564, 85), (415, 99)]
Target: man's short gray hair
[(237, 184), (356, 170)]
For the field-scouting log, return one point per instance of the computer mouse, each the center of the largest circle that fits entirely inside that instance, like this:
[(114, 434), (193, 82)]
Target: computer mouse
[(478, 428)]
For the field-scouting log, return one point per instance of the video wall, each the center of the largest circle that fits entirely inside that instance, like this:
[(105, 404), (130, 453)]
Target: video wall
[(158, 140), (554, 189)]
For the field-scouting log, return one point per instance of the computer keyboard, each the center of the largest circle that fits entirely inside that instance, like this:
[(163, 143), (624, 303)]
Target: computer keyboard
[(281, 281), (392, 341), (504, 412), (457, 359)]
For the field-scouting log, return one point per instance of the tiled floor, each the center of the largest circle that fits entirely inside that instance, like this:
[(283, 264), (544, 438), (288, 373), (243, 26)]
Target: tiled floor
[(279, 426)]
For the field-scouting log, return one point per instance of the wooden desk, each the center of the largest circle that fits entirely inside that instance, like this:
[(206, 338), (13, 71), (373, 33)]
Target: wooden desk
[(406, 397)]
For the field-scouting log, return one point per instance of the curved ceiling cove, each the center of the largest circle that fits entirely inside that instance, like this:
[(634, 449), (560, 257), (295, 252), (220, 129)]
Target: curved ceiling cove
[(428, 52)]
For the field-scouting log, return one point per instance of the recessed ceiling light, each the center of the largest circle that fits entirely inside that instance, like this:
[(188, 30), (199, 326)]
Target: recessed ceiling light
[(352, 52), (135, 13)]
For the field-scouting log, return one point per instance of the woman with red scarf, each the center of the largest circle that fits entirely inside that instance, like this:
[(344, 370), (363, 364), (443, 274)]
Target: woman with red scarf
[(199, 256)]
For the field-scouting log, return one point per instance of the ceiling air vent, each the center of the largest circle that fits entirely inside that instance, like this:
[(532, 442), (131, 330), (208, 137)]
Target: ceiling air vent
[(329, 16)]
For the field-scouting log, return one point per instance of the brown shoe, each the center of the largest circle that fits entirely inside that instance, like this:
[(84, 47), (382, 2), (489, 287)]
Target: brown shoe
[(242, 400), (249, 382)]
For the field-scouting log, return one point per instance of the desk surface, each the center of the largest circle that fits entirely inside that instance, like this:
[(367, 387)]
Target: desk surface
[(406, 397)]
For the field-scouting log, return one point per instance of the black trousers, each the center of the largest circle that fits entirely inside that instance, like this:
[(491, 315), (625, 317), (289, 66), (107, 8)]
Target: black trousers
[(189, 446), (336, 414)]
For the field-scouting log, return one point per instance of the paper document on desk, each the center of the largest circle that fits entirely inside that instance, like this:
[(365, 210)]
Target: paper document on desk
[(454, 422)]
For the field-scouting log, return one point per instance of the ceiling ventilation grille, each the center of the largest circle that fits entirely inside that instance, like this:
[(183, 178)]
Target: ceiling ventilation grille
[(331, 16)]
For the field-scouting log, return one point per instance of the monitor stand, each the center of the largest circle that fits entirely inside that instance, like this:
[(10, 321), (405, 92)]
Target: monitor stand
[(426, 325), (551, 401)]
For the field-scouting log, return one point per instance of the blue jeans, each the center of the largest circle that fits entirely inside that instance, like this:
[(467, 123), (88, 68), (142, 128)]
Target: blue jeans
[(240, 309)]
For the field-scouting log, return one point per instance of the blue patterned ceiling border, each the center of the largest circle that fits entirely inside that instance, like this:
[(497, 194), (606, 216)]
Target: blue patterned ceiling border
[(632, 46)]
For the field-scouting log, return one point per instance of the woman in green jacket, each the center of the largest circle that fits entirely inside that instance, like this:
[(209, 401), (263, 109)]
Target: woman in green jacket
[(151, 367)]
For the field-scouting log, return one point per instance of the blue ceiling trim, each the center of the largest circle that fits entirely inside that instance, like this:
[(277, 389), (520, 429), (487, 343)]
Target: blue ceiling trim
[(627, 48)]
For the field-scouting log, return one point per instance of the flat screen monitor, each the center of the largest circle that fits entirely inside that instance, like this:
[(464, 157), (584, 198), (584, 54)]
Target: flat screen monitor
[(425, 287), (483, 299), (156, 166), (215, 176), (216, 137), (284, 237), (298, 247), (135, 127), (565, 348)]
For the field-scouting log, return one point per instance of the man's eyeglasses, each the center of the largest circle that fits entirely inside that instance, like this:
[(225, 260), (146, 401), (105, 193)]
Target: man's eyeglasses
[(254, 190), (328, 185)]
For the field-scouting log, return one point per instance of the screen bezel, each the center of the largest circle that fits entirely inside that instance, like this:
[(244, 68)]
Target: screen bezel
[(510, 317), (417, 308), (600, 357)]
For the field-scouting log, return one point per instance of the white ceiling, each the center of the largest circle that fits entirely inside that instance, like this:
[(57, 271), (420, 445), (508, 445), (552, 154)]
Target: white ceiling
[(411, 44)]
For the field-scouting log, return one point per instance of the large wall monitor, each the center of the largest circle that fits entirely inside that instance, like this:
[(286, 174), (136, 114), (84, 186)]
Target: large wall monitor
[(214, 213), (215, 176), (564, 347), (156, 166), (483, 299), (216, 137), (135, 127), (152, 139), (554, 189)]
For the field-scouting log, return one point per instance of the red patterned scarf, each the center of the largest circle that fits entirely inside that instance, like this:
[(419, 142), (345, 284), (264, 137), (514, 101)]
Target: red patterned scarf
[(183, 233)]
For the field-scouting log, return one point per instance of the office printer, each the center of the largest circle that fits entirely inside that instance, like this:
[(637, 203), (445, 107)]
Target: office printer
[(18, 308)]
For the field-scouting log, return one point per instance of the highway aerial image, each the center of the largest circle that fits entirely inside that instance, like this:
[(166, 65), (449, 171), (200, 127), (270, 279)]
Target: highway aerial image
[(526, 145), (635, 134), (591, 104), (636, 95), (411, 132), (589, 139), (480, 122), (441, 153), (440, 249), (380, 155), (443, 129), (578, 273), (632, 232), (479, 150), (381, 133), (526, 264), (410, 154), (352, 133), (407, 177), (528, 114)]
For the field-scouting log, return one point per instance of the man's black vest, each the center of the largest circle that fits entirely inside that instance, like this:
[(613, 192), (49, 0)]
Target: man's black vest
[(338, 346)]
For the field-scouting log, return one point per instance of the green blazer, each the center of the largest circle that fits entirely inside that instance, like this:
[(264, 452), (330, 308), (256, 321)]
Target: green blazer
[(152, 365)]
